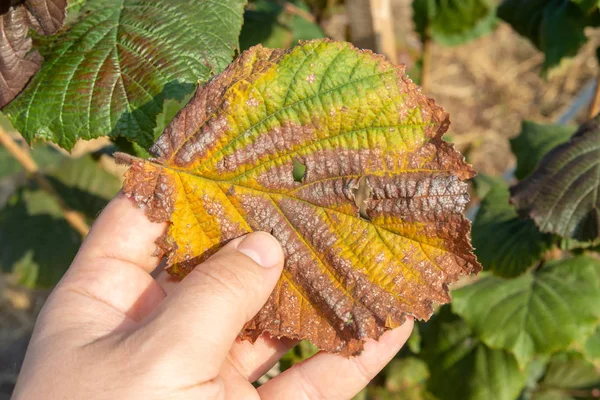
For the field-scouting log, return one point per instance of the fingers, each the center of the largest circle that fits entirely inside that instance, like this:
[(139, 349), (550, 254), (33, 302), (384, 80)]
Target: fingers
[(203, 315), (123, 232), (330, 376), (112, 267)]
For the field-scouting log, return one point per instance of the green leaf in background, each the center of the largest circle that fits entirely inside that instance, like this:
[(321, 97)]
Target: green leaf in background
[(534, 142), (405, 379), (267, 22), (570, 370), (556, 27), (483, 183), (299, 352), (37, 242), (504, 243), (35, 239), (537, 313), (592, 347), (566, 377), (463, 368), (587, 6), (453, 22), (84, 185), (44, 156), (563, 194), (112, 71)]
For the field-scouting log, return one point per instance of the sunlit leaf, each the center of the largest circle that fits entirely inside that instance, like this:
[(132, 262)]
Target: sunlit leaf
[(534, 142), (563, 194), (111, 72), (504, 243), (463, 368), (224, 167), (539, 312)]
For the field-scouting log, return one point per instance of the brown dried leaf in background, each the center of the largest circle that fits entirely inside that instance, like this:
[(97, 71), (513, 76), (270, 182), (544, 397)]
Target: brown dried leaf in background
[(17, 62), (372, 229)]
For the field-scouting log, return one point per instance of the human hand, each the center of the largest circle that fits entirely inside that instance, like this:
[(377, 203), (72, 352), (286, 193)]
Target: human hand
[(111, 331)]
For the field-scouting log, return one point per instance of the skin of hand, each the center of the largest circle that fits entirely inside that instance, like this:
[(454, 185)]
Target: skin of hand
[(110, 330)]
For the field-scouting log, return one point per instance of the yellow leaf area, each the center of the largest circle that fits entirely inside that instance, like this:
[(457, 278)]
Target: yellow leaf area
[(373, 230)]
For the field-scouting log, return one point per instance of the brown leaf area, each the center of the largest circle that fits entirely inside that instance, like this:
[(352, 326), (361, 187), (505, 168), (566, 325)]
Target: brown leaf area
[(17, 62), (355, 267)]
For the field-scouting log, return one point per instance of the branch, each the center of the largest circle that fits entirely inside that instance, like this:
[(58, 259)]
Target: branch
[(295, 10), (595, 105), (425, 61), (74, 218)]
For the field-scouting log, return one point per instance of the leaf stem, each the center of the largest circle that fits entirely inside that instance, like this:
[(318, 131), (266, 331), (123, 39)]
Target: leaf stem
[(425, 61), (295, 10), (595, 105), (74, 218)]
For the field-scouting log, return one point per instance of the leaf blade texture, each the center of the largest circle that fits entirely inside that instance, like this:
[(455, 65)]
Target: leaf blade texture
[(536, 313), (17, 62), (111, 72), (562, 195), (504, 243), (224, 167)]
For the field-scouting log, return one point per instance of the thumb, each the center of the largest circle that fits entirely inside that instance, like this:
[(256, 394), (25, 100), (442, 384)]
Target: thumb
[(210, 306)]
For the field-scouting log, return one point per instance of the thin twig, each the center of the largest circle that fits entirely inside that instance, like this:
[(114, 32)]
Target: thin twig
[(74, 218), (425, 60), (295, 10), (595, 105)]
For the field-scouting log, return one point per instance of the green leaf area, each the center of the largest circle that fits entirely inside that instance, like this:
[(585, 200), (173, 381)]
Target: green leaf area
[(540, 312), (556, 27), (453, 22), (462, 367), (111, 72), (269, 23), (37, 243), (504, 243)]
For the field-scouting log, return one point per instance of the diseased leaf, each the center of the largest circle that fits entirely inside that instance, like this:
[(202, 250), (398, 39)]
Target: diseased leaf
[(556, 27), (405, 379), (537, 313), (534, 142), (504, 243), (463, 368), (453, 22), (17, 62), (112, 71), (224, 167), (562, 195)]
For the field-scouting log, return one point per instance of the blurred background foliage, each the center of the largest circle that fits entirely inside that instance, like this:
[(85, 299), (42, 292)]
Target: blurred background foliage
[(517, 76)]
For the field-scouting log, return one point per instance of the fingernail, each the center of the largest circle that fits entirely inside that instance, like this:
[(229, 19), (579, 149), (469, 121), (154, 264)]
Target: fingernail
[(263, 248)]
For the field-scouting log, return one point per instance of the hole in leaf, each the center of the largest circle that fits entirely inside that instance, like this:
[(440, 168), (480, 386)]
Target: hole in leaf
[(299, 171), (361, 195)]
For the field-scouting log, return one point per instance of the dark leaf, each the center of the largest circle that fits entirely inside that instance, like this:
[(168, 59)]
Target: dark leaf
[(563, 194), (555, 27), (17, 62)]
